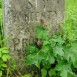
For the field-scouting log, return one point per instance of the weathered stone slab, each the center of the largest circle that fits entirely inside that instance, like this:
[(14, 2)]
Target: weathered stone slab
[(20, 16)]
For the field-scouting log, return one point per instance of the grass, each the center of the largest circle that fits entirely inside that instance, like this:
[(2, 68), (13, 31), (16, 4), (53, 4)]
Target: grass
[(1, 24), (71, 9)]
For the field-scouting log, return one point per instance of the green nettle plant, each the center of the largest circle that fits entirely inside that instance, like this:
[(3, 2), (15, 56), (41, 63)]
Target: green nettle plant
[(56, 55), (4, 57)]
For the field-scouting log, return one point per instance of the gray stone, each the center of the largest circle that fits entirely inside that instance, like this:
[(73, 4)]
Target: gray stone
[(21, 15)]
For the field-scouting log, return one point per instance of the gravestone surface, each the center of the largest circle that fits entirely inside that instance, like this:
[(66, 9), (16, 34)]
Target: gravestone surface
[(21, 15)]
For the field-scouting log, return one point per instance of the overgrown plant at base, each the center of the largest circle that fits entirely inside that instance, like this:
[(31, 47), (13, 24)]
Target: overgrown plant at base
[(4, 57), (56, 55)]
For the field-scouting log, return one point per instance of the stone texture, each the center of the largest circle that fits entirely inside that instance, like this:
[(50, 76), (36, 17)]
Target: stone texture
[(21, 15)]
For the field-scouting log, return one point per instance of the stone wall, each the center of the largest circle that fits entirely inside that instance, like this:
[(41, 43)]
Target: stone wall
[(21, 15)]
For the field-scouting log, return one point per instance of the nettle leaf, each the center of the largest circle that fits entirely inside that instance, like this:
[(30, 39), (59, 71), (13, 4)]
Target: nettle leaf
[(6, 57), (52, 43), (31, 48), (65, 70), (47, 54), (58, 50), (5, 51), (41, 54), (46, 43), (71, 36), (1, 61), (71, 74), (3, 65), (41, 32), (1, 49), (70, 53), (46, 49), (33, 59), (29, 59), (75, 64), (46, 64), (4, 48), (43, 72), (37, 60), (70, 57), (59, 66), (63, 73), (0, 54), (0, 73), (52, 72), (74, 48), (47, 60), (45, 35), (51, 59), (58, 38)]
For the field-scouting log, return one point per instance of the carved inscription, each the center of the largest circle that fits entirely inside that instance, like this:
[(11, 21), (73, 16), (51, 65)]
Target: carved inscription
[(40, 10), (36, 16), (20, 42)]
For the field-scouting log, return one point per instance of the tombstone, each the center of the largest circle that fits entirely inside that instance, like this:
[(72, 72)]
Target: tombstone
[(20, 17)]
